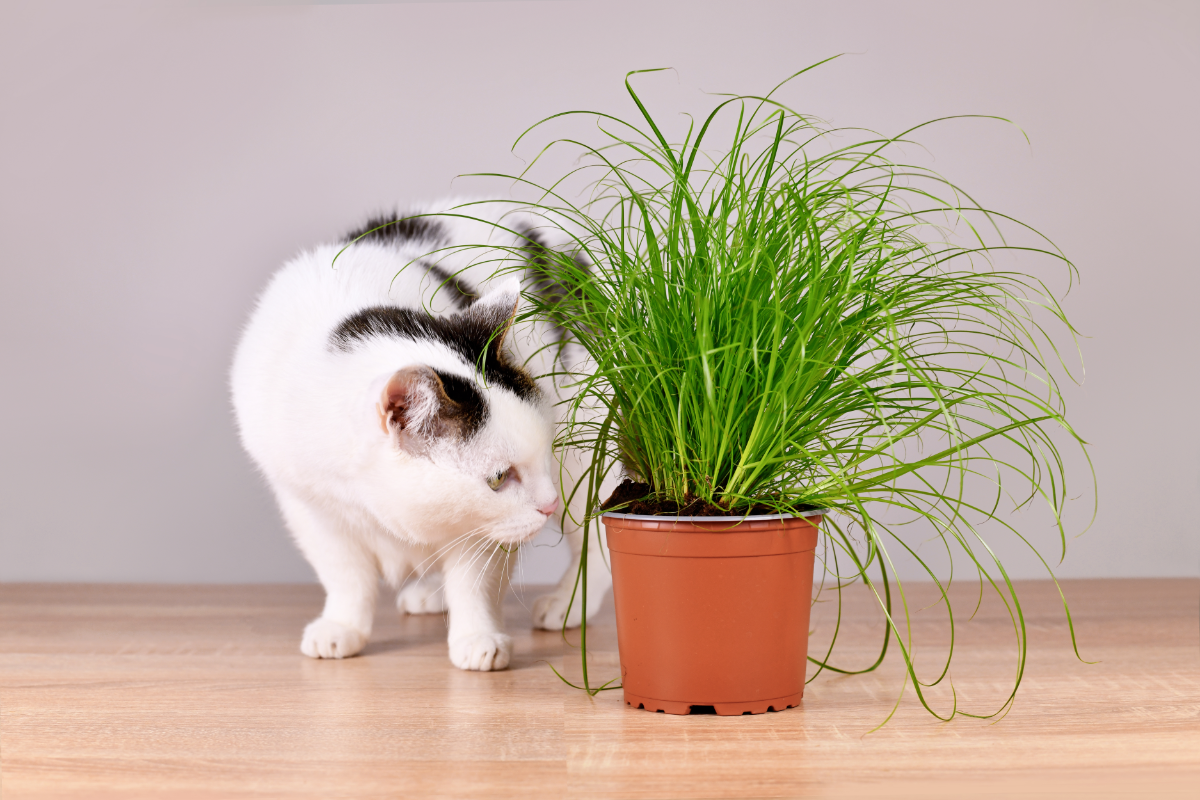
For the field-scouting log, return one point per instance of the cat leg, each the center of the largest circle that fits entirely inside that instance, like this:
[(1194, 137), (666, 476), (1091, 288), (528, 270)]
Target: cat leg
[(476, 581), (551, 611), (349, 575), (411, 573), (424, 594)]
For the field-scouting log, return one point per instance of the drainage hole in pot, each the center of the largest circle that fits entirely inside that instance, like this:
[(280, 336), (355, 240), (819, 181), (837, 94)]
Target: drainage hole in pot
[(703, 710)]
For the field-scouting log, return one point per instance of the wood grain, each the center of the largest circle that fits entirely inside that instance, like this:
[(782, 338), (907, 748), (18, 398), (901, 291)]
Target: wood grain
[(153, 691)]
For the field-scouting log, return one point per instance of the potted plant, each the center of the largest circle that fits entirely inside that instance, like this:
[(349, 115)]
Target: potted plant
[(785, 329)]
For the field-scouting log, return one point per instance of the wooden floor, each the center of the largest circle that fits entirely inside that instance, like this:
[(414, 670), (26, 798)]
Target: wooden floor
[(181, 692)]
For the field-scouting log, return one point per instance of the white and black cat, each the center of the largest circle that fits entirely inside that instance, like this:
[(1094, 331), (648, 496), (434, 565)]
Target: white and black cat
[(390, 403)]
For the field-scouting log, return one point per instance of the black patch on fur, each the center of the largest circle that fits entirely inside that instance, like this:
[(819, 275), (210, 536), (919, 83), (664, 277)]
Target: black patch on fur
[(541, 278), (396, 228), (460, 292), (468, 409), (466, 333)]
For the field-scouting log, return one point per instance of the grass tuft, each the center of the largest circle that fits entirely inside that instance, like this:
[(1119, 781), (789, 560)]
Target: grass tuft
[(796, 322)]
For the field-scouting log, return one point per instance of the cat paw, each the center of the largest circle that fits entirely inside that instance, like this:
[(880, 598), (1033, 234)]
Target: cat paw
[(324, 638), (550, 611), (421, 598), (481, 651)]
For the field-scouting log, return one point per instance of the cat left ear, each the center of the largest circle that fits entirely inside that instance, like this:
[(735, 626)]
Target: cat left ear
[(496, 310)]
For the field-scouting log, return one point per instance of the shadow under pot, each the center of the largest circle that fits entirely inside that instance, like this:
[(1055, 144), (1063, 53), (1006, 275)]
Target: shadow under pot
[(712, 612)]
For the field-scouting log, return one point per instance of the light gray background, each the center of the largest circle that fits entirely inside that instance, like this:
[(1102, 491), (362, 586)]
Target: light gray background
[(159, 163)]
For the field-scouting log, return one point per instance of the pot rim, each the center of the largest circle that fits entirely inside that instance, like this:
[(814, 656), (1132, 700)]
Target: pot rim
[(752, 518)]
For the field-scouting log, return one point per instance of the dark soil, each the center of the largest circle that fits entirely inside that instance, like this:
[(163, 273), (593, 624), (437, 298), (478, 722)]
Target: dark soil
[(640, 502)]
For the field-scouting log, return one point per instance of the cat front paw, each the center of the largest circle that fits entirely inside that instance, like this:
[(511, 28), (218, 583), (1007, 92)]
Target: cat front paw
[(419, 597), (550, 610), (481, 651), (324, 638)]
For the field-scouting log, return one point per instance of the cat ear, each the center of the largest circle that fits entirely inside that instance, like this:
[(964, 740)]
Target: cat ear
[(410, 400), (494, 312), (416, 406)]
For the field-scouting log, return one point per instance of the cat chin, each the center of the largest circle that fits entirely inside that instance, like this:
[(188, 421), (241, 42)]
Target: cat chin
[(515, 537)]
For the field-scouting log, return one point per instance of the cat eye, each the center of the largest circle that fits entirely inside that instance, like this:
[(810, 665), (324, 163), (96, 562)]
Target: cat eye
[(498, 480)]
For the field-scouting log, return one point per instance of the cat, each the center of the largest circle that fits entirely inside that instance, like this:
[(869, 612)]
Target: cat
[(384, 391)]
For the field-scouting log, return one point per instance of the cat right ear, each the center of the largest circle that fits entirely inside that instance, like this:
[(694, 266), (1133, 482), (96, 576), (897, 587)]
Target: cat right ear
[(410, 403), (419, 405)]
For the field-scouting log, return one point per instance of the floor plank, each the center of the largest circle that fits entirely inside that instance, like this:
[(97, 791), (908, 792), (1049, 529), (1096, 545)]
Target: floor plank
[(200, 691)]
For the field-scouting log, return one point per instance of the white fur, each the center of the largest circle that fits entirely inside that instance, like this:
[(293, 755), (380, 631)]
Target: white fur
[(363, 506), (555, 610)]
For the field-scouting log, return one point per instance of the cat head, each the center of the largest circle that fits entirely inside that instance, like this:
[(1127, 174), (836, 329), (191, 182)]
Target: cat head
[(464, 438)]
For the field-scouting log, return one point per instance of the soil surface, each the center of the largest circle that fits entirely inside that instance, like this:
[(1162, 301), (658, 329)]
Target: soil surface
[(640, 502)]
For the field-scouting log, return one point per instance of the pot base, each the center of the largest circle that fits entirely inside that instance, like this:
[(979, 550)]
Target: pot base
[(722, 709)]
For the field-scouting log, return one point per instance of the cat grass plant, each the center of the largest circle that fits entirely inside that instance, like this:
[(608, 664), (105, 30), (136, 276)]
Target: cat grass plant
[(792, 317)]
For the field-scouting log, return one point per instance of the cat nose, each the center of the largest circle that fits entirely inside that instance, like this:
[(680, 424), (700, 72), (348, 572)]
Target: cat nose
[(549, 508)]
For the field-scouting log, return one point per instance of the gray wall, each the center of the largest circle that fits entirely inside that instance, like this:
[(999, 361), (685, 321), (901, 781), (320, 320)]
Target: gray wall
[(159, 164)]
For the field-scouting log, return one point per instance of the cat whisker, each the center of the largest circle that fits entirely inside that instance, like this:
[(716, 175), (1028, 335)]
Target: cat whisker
[(483, 573), (471, 554), (483, 548), (445, 547)]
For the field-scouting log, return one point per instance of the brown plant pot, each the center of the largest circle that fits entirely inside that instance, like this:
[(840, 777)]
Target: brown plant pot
[(712, 611)]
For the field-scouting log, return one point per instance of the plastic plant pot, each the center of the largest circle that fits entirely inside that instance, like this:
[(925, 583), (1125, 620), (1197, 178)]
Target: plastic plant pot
[(712, 611)]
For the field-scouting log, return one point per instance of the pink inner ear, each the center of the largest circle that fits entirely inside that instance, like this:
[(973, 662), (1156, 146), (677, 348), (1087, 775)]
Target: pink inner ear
[(398, 396), (397, 392), (395, 399)]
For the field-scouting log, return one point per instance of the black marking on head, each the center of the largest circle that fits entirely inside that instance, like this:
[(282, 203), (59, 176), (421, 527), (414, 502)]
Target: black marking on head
[(472, 334), (467, 410), (458, 409), (460, 292), (396, 228)]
